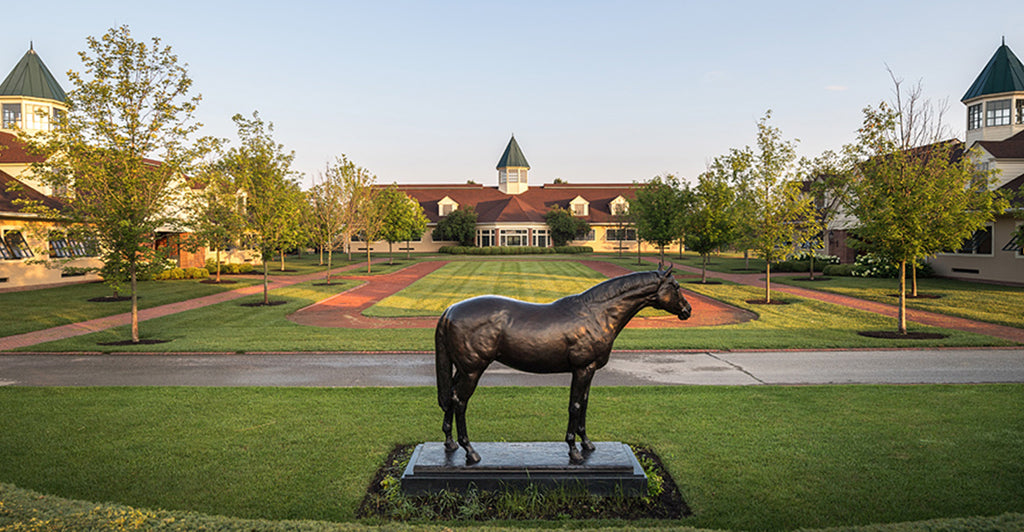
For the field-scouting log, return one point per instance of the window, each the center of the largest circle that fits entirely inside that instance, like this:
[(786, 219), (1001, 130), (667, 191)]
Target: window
[(997, 113), (514, 237), (446, 209), (485, 237), (446, 206), (614, 235), (579, 206), (12, 115), (37, 117), (980, 243), (14, 246), (589, 236), (974, 116), (58, 115), (541, 237), (1016, 243), (619, 206), (1020, 111)]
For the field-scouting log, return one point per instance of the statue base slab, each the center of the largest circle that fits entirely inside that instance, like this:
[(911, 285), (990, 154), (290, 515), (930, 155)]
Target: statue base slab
[(611, 468)]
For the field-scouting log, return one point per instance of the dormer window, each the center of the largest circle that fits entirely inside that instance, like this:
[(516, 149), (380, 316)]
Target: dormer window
[(619, 206), (446, 206), (579, 206)]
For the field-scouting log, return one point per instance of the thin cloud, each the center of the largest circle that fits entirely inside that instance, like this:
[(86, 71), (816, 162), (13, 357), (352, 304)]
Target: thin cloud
[(835, 88)]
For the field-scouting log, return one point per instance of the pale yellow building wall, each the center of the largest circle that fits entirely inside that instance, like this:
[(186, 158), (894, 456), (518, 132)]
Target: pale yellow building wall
[(999, 266)]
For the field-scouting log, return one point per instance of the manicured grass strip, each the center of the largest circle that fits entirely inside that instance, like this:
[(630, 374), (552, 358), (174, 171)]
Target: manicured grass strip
[(976, 301), (534, 281), (232, 327), (51, 307), (768, 458)]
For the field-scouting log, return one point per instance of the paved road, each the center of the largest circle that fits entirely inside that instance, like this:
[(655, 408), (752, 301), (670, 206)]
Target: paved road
[(625, 369)]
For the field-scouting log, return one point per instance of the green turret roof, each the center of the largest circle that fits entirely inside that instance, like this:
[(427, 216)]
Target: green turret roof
[(513, 156), (30, 77), (1003, 73)]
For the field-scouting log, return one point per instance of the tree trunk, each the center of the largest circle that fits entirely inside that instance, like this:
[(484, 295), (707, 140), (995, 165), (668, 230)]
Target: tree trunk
[(321, 255), (902, 325), (218, 264), (282, 260), (680, 248), (266, 282), (703, 268), (812, 266), (746, 259), (330, 256), (368, 267), (639, 259), (661, 250), (408, 249), (767, 281), (391, 253), (135, 304), (913, 277)]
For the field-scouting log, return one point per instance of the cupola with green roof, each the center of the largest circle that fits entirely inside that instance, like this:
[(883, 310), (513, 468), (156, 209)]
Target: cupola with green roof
[(30, 96), (512, 169), (995, 101)]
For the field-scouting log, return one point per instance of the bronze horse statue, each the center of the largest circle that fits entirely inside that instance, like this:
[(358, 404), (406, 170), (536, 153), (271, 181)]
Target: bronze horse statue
[(573, 334)]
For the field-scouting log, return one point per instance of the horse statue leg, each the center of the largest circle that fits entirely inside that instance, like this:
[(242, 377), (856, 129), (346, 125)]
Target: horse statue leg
[(579, 395), (465, 385)]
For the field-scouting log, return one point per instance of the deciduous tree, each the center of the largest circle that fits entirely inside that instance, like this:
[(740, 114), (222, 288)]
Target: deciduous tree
[(916, 193), (780, 216), (122, 149), (564, 226), (261, 168), (403, 218), (657, 212), (458, 226), (710, 215)]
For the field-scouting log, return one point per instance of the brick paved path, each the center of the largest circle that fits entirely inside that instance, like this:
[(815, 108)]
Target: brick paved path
[(918, 316)]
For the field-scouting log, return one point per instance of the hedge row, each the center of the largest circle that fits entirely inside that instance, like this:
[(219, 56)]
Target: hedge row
[(25, 510), (229, 269), (514, 250), (182, 273)]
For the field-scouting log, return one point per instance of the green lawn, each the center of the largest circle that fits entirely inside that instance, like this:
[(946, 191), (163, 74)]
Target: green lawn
[(745, 458), (51, 307), (534, 281), (232, 327), (977, 301)]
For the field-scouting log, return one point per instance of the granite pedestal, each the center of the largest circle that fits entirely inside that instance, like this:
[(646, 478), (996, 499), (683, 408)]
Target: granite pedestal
[(611, 468)]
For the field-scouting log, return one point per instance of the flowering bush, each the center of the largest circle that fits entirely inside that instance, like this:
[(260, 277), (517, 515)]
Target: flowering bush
[(805, 256), (873, 265)]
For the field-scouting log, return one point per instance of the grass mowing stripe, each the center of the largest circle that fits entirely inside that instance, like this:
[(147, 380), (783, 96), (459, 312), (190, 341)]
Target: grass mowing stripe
[(534, 281), (744, 457)]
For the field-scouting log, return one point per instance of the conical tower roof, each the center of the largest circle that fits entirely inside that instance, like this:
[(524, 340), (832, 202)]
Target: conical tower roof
[(1003, 73), (30, 77), (513, 156)]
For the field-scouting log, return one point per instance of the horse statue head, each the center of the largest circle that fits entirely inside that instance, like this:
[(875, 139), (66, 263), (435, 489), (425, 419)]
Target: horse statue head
[(669, 296)]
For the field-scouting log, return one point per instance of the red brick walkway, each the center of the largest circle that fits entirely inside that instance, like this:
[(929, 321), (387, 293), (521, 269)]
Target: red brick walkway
[(923, 317)]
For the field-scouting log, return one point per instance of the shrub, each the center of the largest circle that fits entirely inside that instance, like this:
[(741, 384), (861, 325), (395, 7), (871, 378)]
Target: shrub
[(228, 268), (872, 265), (839, 270), (179, 273)]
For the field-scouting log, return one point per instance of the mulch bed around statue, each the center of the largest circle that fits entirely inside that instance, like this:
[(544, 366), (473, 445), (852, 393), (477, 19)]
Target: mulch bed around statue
[(384, 499), (894, 335), (129, 342), (262, 304), (110, 299)]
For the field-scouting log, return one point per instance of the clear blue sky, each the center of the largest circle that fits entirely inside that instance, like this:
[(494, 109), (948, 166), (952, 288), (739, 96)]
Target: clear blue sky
[(422, 92)]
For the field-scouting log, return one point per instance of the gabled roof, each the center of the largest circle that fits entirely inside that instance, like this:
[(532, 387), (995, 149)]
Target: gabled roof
[(493, 206), (24, 192), (12, 151), (1011, 148), (513, 156), (1003, 73)]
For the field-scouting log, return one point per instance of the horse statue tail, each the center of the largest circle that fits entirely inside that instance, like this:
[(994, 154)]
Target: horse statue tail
[(443, 364)]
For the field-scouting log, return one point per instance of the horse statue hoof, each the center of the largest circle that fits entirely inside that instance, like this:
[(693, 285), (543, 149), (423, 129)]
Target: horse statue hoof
[(472, 457), (588, 446), (450, 446), (575, 457)]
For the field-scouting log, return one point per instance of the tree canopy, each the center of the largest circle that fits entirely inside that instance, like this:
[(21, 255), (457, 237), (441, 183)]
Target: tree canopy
[(122, 151), (458, 226), (564, 226), (710, 215), (262, 169), (915, 193), (657, 212)]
